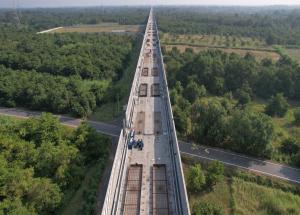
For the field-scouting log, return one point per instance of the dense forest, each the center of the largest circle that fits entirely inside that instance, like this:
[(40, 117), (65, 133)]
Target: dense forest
[(41, 19), (50, 93), (80, 68), (275, 25), (210, 102), (84, 69), (221, 73), (41, 161), (89, 56)]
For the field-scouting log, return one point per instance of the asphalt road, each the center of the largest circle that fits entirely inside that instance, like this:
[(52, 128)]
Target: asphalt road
[(200, 152), (105, 128), (241, 161)]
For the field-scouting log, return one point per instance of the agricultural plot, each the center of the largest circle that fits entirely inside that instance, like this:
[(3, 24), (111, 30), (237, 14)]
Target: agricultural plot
[(259, 54), (101, 28), (294, 54), (228, 44), (215, 41)]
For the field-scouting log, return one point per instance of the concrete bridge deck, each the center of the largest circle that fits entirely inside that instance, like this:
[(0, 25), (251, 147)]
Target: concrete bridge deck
[(160, 187)]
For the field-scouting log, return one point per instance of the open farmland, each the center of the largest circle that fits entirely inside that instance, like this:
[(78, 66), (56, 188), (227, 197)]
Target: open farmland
[(293, 53), (228, 44), (215, 41), (259, 54), (101, 28)]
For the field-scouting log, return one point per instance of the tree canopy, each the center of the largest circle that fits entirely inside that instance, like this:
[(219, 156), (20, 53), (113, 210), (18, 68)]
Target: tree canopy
[(210, 91), (83, 70), (40, 161)]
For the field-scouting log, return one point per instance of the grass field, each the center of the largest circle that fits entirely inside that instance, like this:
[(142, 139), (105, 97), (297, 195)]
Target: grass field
[(284, 126), (242, 193), (293, 53), (228, 44), (259, 54), (100, 28), (221, 196), (250, 198), (286, 123)]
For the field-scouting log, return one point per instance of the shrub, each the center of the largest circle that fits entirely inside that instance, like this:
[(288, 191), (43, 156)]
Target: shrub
[(297, 116), (243, 97), (203, 208), (215, 173), (290, 146), (195, 178), (277, 106)]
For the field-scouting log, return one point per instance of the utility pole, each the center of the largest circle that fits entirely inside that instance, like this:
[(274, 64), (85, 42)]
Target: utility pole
[(16, 13), (102, 6)]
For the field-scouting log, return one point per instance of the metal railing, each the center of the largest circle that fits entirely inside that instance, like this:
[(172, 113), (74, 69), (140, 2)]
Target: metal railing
[(183, 203), (112, 198)]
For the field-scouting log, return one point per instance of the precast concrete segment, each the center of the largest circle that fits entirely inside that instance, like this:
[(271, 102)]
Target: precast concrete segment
[(153, 152)]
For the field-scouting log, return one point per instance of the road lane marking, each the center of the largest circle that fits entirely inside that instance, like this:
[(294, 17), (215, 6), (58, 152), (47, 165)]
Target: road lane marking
[(182, 142), (17, 116), (250, 169), (238, 155)]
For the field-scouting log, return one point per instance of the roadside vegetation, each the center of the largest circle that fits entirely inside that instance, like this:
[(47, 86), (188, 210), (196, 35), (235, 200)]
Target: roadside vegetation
[(43, 163), (237, 192), (213, 102)]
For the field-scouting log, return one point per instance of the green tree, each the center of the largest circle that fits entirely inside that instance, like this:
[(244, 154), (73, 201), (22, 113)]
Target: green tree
[(210, 118), (244, 94), (193, 91), (290, 146), (296, 159), (46, 128), (91, 144), (44, 195), (277, 106), (215, 173), (218, 86), (251, 132), (243, 97), (182, 121), (15, 207), (195, 178)]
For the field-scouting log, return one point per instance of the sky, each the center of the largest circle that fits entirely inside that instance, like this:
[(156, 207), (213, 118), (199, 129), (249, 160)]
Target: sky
[(68, 3)]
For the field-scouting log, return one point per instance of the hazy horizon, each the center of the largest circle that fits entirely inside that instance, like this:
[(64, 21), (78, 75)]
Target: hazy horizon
[(89, 3)]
